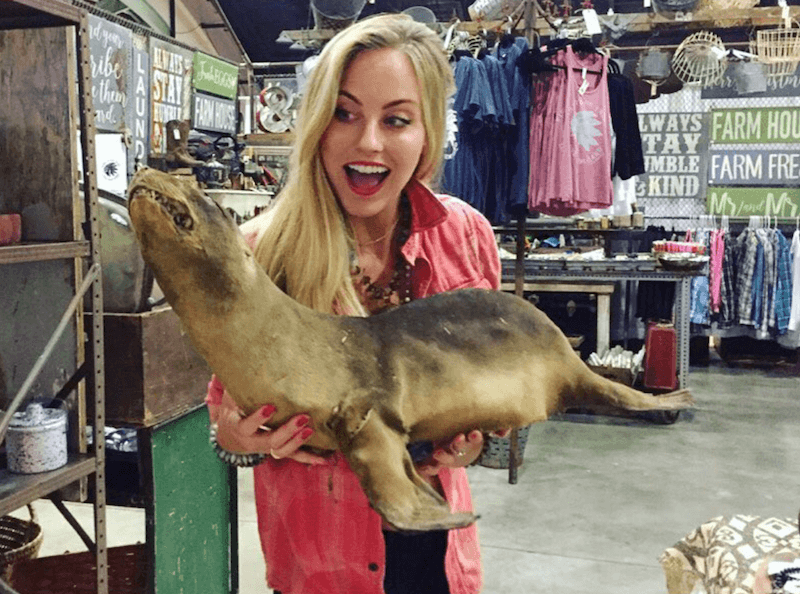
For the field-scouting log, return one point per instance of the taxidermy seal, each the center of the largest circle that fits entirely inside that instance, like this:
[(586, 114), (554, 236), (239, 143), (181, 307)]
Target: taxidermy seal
[(425, 371)]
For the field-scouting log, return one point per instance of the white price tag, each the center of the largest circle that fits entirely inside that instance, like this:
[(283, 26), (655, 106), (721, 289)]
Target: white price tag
[(592, 22), (585, 84)]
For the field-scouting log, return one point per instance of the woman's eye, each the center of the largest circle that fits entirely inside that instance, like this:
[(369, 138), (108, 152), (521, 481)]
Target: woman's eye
[(341, 114), (398, 122)]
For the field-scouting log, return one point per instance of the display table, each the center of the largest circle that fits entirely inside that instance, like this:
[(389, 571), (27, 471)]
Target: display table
[(617, 269)]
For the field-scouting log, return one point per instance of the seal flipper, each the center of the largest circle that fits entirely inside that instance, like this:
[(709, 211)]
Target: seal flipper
[(377, 454)]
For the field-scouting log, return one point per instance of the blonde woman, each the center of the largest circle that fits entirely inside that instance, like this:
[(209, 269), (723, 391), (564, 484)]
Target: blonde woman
[(357, 230)]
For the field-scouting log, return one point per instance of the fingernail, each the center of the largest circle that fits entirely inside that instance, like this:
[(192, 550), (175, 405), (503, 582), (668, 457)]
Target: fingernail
[(302, 420), (268, 411), (306, 433)]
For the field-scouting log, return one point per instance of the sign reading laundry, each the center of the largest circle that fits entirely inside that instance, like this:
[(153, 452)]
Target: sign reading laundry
[(213, 114), (756, 125), (743, 202), (675, 148), (754, 168)]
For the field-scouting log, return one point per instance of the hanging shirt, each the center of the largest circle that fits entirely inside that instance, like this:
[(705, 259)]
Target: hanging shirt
[(496, 138), (576, 139), (517, 155), (794, 319), (783, 283), (466, 172)]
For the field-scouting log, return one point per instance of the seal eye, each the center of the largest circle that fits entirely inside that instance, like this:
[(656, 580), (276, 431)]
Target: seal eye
[(182, 220)]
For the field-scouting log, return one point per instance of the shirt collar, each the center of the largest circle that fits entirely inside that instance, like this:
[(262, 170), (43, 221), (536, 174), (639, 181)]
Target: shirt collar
[(427, 211)]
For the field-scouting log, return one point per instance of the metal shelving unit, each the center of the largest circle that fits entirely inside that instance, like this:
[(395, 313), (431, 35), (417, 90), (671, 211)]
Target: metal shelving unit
[(77, 216)]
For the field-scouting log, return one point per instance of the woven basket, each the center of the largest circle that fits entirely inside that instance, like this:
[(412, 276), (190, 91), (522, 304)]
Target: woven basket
[(19, 540), (779, 50)]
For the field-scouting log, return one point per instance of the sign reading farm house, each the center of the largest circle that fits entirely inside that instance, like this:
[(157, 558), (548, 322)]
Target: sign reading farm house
[(675, 148), (755, 125)]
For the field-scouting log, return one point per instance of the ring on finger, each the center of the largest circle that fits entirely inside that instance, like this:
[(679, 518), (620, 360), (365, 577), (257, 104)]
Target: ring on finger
[(274, 455), (461, 454)]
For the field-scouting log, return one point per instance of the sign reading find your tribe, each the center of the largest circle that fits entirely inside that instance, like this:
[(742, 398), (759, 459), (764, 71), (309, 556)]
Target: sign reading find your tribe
[(675, 146)]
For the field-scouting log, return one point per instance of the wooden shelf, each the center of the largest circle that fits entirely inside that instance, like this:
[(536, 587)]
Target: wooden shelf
[(35, 252), (17, 490), (641, 23)]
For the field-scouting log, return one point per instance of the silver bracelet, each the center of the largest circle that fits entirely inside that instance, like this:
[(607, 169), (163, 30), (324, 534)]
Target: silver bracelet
[(242, 460)]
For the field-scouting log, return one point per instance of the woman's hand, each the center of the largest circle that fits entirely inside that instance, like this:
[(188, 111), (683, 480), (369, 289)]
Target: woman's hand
[(459, 452), (245, 435)]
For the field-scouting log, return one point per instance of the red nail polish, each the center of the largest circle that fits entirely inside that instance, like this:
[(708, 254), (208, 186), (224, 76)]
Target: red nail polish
[(306, 433), (302, 420), (268, 411)]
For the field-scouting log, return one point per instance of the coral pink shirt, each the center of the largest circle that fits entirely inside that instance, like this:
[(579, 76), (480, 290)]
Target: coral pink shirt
[(318, 532)]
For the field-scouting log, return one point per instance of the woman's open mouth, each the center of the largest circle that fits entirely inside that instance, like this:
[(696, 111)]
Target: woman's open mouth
[(365, 180)]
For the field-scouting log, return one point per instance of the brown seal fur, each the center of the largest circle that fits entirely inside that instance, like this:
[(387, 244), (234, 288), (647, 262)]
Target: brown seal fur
[(428, 370)]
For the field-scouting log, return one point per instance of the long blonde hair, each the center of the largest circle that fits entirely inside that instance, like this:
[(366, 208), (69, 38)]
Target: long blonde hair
[(306, 243)]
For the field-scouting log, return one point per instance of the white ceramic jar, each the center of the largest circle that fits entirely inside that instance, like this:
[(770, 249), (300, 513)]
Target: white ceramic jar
[(37, 440)]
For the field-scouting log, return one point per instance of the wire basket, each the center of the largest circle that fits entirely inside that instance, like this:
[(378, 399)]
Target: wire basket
[(779, 49), (20, 540), (700, 59), (497, 450)]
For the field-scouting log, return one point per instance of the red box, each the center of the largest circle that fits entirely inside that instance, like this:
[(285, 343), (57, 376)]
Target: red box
[(10, 229)]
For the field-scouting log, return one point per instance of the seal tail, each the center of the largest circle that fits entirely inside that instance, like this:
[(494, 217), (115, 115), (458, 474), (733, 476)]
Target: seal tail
[(593, 388), (378, 455)]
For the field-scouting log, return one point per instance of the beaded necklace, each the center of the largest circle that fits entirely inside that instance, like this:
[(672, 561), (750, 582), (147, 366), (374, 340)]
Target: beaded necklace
[(377, 298)]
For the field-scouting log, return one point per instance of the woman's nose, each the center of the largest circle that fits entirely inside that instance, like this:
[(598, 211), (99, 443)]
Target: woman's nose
[(371, 138)]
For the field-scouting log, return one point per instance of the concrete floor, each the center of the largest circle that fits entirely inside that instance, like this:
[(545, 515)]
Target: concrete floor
[(598, 498)]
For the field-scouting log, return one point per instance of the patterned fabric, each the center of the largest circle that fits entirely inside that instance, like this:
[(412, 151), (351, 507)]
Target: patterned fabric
[(744, 286), (783, 287), (728, 287), (722, 555)]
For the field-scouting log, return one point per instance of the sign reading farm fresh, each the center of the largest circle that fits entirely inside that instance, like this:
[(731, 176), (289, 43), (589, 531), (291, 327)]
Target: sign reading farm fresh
[(756, 125), (675, 148), (754, 168), (213, 114), (743, 202), (214, 76)]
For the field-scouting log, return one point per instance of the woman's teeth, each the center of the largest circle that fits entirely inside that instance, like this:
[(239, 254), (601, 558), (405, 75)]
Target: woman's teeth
[(368, 168)]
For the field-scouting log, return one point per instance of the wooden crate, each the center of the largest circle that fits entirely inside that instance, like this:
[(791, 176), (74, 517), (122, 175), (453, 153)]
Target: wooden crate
[(153, 374)]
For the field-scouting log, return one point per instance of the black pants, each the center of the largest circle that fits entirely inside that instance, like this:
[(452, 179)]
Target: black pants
[(414, 563)]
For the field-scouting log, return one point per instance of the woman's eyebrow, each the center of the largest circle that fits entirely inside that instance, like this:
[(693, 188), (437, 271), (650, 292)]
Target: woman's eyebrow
[(387, 106)]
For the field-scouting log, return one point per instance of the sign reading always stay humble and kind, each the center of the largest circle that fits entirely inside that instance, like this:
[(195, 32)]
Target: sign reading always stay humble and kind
[(675, 147)]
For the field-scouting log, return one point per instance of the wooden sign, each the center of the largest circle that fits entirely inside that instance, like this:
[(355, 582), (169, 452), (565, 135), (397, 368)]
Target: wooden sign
[(777, 86), (754, 167), (110, 55), (170, 84), (214, 76), (743, 202), (213, 114), (762, 125), (675, 149)]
